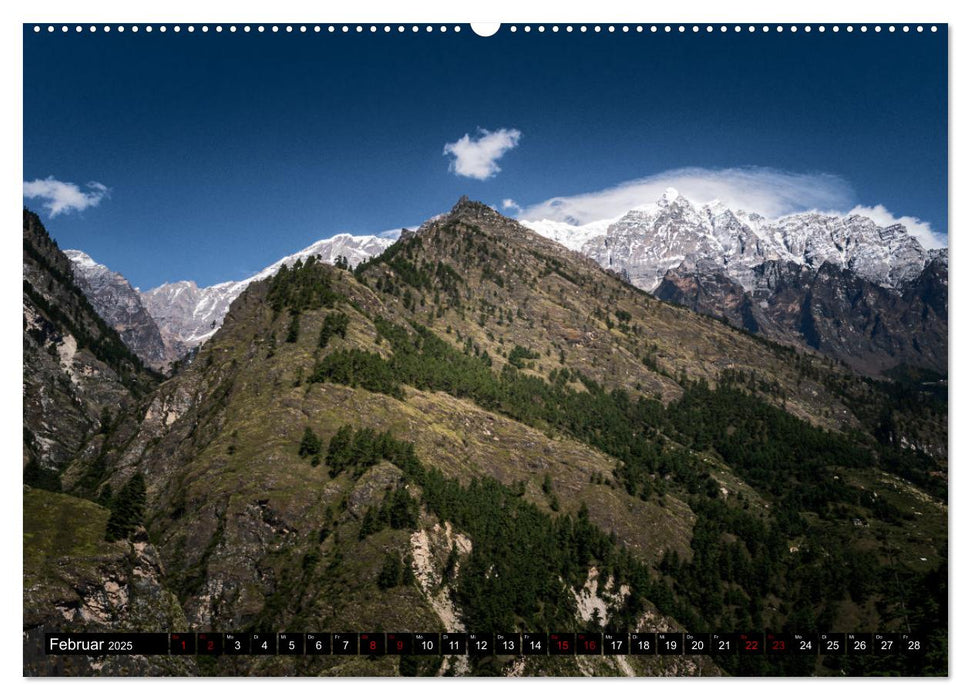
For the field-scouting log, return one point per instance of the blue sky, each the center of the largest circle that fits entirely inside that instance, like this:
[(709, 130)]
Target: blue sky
[(208, 156)]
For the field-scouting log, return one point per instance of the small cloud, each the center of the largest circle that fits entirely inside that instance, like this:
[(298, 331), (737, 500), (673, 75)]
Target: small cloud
[(510, 204), (477, 157), (921, 230), (64, 197)]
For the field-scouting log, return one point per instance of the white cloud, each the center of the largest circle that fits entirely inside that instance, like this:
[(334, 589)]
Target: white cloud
[(64, 197), (769, 192), (510, 204), (921, 230), (477, 157)]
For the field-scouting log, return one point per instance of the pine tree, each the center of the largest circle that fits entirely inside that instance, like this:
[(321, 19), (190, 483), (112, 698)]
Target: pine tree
[(390, 574), (310, 444), (127, 509)]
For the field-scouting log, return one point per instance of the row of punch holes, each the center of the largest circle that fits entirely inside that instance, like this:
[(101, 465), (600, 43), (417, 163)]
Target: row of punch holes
[(513, 28)]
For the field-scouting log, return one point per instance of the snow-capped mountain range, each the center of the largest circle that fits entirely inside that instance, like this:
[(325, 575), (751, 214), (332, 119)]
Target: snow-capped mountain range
[(707, 256), (192, 314), (647, 242)]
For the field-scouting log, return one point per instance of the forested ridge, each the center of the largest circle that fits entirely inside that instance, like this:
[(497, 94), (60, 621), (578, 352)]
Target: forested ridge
[(741, 559)]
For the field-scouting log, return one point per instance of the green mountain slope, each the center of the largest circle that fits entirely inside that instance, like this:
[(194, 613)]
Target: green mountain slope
[(481, 430)]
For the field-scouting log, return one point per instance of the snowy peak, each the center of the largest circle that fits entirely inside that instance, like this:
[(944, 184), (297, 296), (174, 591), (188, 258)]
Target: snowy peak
[(670, 196), (568, 235), (647, 242), (119, 304), (81, 260)]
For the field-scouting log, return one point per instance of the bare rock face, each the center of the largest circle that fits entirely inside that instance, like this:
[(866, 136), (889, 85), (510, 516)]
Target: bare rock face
[(77, 372), (113, 297), (829, 309)]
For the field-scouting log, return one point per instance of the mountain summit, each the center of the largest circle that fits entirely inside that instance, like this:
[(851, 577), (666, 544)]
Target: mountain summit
[(189, 315)]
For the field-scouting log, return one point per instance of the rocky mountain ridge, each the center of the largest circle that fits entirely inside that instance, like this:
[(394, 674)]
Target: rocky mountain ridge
[(77, 372), (645, 243), (118, 303), (478, 429), (666, 248), (828, 309)]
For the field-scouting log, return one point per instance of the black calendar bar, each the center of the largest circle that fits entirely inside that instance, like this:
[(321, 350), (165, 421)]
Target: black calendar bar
[(769, 644)]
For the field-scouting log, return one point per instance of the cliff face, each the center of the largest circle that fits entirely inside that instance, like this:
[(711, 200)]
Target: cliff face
[(113, 297), (77, 371), (831, 310)]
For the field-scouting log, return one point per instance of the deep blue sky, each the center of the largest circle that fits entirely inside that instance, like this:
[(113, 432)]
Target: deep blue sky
[(224, 152)]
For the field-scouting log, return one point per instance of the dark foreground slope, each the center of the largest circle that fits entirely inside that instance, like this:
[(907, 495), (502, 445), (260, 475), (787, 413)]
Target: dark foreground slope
[(77, 371), (480, 430)]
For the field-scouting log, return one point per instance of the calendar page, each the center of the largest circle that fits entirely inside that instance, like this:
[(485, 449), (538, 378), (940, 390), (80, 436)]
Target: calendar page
[(438, 349)]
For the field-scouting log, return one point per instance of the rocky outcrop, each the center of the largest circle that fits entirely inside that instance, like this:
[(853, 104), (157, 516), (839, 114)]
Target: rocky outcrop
[(113, 297), (74, 581), (77, 372)]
